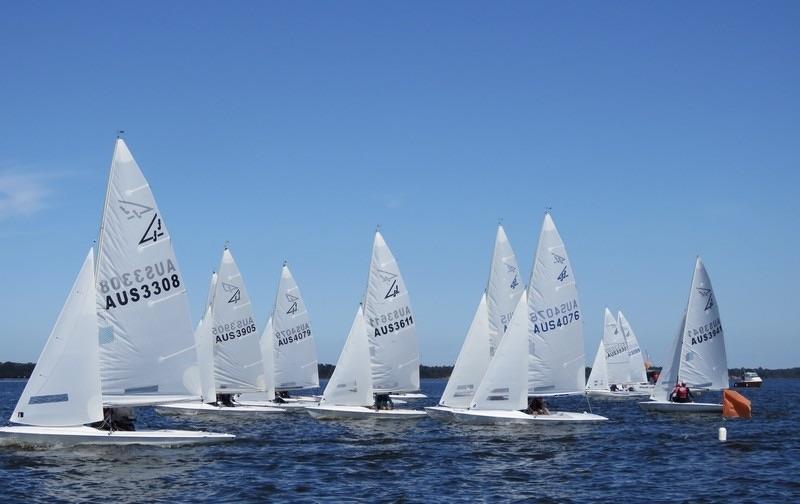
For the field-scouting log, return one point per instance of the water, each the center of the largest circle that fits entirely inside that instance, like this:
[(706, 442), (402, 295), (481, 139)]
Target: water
[(635, 456)]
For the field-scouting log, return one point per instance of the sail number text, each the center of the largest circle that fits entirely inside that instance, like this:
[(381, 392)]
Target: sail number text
[(142, 283)]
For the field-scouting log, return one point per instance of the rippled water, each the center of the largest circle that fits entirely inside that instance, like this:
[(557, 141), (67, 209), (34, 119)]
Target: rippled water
[(635, 456)]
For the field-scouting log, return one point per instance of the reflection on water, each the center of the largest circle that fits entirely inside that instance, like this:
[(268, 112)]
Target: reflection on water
[(633, 456)]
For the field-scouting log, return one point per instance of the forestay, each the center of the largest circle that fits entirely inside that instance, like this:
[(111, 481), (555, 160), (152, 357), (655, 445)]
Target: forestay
[(351, 382), (393, 349), (64, 388), (598, 378), (147, 346), (557, 360), (637, 369), (503, 290), (616, 351), (238, 366), (295, 354), (472, 362), (504, 386)]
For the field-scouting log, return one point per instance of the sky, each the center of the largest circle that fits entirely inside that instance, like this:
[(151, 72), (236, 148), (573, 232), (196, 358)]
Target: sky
[(654, 131)]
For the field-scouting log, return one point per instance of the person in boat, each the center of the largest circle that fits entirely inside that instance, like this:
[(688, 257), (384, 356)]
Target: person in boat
[(383, 402), (225, 400), (537, 406), (681, 393), (115, 419), (613, 387)]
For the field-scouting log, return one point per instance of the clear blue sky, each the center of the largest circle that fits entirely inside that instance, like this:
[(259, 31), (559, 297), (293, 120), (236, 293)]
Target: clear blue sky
[(656, 131)]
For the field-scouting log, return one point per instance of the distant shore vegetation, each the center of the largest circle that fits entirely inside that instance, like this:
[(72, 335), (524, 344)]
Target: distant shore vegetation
[(24, 370)]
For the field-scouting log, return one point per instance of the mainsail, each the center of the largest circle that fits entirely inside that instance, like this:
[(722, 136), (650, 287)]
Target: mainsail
[(472, 362), (295, 354), (616, 351), (351, 382), (387, 309), (147, 351), (698, 355), (64, 388), (504, 386), (238, 366), (556, 339), (503, 290), (637, 368)]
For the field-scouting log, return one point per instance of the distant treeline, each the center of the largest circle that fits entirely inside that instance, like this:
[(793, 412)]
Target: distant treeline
[(16, 369), (24, 370)]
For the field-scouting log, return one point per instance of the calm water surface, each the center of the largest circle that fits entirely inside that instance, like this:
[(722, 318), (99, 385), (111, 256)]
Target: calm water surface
[(635, 457)]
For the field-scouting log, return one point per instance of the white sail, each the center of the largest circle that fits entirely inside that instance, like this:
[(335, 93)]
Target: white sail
[(638, 370), (268, 359), (504, 288), (598, 378), (703, 360), (504, 386), (64, 388), (557, 362), (238, 366), (351, 382), (387, 309), (669, 372), (204, 342), (295, 352), (147, 346), (472, 362), (698, 352), (616, 351)]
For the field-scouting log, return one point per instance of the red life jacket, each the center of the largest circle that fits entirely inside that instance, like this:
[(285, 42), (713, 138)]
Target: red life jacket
[(683, 393)]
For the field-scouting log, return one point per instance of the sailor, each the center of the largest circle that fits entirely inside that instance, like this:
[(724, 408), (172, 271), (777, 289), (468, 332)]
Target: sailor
[(681, 393), (225, 400), (537, 406), (383, 402)]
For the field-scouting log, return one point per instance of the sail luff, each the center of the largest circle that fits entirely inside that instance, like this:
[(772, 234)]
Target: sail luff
[(472, 362)]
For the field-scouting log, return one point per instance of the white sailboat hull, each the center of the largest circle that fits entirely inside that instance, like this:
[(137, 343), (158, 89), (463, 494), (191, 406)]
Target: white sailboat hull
[(407, 396), (361, 412), (290, 406), (673, 407), (26, 435), (203, 409), (502, 417), (617, 395), (442, 413)]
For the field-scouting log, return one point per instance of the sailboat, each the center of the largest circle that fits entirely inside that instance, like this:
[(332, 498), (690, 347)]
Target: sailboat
[(636, 365), (612, 378), (541, 353), (349, 392), (131, 301), (698, 353), (229, 353), (486, 331), (288, 350), (391, 357)]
